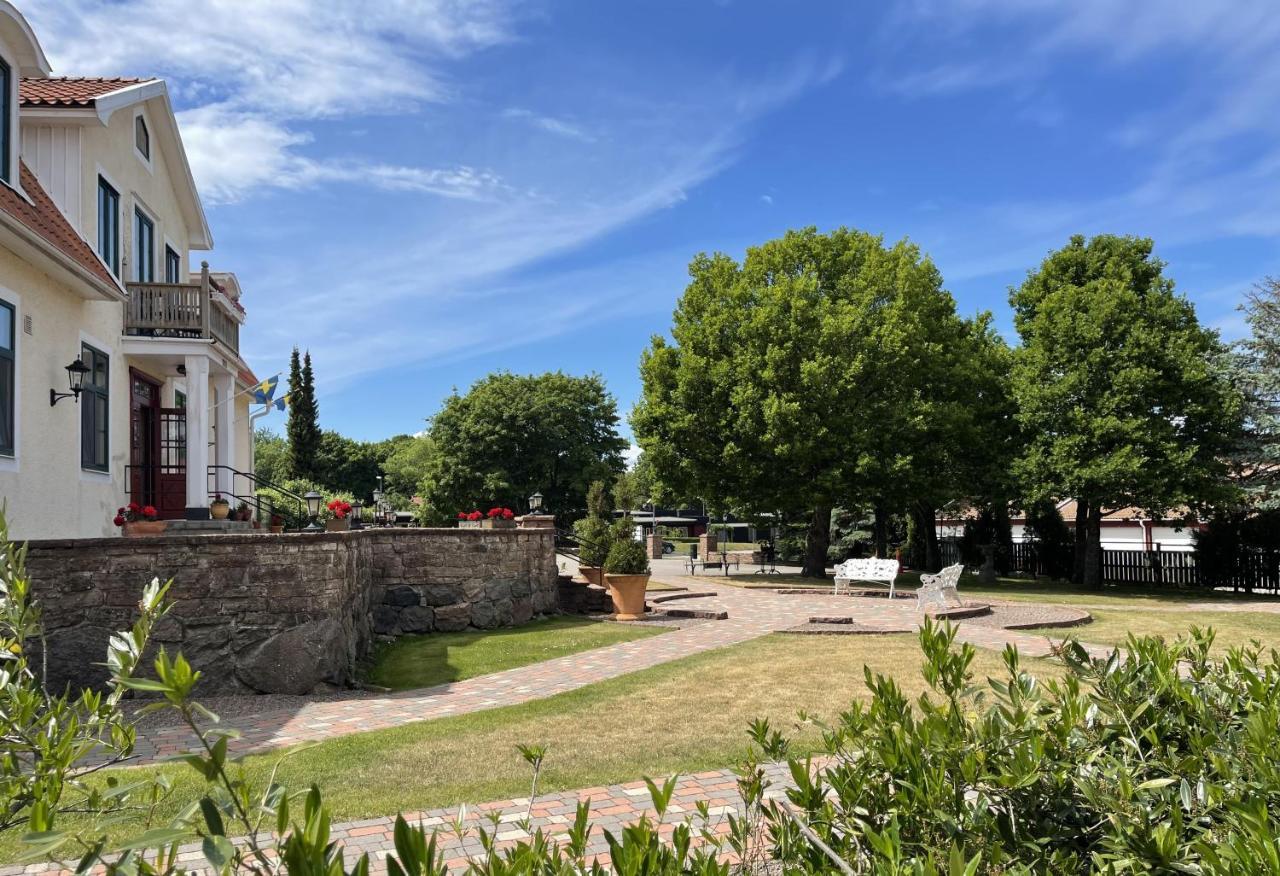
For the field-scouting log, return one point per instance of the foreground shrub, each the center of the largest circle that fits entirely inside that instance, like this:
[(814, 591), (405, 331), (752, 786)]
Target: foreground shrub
[(1160, 761)]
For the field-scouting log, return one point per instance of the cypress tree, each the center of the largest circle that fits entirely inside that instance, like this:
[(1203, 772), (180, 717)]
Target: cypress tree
[(304, 426)]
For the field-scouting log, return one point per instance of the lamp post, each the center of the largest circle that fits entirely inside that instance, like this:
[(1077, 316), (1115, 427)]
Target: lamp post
[(75, 380), (535, 503), (313, 511)]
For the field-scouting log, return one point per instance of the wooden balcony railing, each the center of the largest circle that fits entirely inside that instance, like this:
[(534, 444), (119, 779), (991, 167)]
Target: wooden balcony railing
[(179, 310)]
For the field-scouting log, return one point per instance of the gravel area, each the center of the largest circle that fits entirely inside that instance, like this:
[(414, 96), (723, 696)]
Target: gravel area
[(1029, 615)]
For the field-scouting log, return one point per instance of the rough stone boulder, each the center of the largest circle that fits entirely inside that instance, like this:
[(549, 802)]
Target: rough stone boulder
[(296, 660)]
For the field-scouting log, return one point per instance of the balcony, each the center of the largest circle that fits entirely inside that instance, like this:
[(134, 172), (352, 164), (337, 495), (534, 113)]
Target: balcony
[(180, 310)]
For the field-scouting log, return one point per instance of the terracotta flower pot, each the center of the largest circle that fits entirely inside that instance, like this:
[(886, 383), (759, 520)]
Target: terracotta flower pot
[(278, 529), (145, 528), (337, 525), (593, 574), (627, 592), (219, 510)]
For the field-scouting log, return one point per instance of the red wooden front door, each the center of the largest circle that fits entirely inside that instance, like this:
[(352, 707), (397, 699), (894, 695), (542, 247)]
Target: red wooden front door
[(157, 450)]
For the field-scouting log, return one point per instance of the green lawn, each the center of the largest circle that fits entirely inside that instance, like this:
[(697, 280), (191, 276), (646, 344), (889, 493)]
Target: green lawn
[(683, 716), (421, 661), (1112, 626)]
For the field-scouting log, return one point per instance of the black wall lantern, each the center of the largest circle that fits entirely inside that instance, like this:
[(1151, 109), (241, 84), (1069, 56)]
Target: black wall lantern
[(75, 379), (535, 503)]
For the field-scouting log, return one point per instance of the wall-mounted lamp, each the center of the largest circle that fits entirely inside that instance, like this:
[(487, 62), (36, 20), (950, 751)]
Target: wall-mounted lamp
[(75, 379)]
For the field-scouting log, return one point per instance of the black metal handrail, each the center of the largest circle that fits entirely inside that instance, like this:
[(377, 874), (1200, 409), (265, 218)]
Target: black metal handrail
[(298, 515)]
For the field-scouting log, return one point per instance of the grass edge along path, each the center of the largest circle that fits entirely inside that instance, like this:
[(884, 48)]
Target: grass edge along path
[(416, 661)]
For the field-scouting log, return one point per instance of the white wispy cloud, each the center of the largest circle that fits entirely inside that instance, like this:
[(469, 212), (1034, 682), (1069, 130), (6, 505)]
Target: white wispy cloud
[(1204, 156), (248, 75), (550, 124)]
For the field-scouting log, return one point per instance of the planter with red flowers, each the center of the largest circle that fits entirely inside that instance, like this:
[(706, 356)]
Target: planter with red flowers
[(139, 521), (500, 518), (337, 515), (470, 519)]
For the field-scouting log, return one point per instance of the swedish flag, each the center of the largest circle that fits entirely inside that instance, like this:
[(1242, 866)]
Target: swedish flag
[(266, 389), (282, 402)]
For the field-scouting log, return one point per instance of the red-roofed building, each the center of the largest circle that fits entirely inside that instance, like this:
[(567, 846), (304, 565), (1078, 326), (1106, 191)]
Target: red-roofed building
[(99, 218)]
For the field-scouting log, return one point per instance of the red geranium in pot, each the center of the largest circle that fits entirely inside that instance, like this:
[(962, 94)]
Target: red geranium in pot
[(139, 521)]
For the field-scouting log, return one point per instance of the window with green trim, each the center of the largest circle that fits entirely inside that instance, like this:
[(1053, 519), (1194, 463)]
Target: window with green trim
[(6, 120), (8, 386), (95, 449), (109, 225)]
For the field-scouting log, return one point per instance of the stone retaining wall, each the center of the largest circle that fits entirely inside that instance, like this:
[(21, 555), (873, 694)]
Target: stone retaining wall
[(285, 613)]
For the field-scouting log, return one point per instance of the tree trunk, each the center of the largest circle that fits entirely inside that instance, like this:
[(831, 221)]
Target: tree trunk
[(880, 532), (926, 550), (1082, 528), (817, 540), (1093, 549)]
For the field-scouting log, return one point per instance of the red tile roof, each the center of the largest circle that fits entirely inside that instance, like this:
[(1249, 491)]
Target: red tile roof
[(70, 91), (43, 217)]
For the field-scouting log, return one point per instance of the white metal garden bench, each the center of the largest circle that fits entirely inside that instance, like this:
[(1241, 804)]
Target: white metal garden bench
[(871, 571), (940, 590)]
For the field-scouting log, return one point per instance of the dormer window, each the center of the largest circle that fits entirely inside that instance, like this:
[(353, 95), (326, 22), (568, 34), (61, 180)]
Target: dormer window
[(6, 120), (142, 137)]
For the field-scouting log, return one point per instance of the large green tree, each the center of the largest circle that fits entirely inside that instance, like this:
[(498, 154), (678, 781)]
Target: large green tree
[(1119, 393), (303, 428), (512, 435), (795, 380), (1255, 370)]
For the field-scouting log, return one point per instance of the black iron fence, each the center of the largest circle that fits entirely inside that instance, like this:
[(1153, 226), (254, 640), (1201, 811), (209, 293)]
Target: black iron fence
[(1250, 571)]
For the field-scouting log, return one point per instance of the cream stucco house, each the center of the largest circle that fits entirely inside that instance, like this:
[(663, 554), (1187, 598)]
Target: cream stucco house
[(99, 217)]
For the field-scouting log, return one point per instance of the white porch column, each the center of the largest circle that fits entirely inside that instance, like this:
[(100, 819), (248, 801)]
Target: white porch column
[(197, 437), (224, 425)]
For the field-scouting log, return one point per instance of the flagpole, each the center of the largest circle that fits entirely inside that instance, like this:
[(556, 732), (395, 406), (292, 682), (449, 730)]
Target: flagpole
[(253, 388)]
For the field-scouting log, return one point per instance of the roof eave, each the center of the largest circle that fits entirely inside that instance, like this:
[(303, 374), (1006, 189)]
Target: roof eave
[(14, 230)]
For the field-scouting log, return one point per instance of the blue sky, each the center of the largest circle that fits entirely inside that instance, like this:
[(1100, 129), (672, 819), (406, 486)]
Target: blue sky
[(424, 191)]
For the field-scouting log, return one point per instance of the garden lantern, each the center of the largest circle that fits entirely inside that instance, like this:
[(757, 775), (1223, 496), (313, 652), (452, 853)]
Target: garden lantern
[(313, 511), (377, 496), (357, 515), (75, 380), (535, 503)]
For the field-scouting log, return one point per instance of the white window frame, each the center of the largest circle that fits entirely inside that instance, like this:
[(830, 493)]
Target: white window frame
[(147, 161), (89, 475), (140, 205), (14, 300)]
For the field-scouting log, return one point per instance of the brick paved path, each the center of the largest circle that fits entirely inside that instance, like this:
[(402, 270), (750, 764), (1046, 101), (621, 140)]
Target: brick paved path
[(612, 808), (752, 613)]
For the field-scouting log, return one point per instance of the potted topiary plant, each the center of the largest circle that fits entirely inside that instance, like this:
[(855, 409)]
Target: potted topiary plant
[(219, 508), (594, 538), (626, 572)]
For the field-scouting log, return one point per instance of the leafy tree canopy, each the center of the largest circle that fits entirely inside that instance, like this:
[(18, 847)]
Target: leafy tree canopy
[(1120, 393), (512, 435), (812, 373)]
